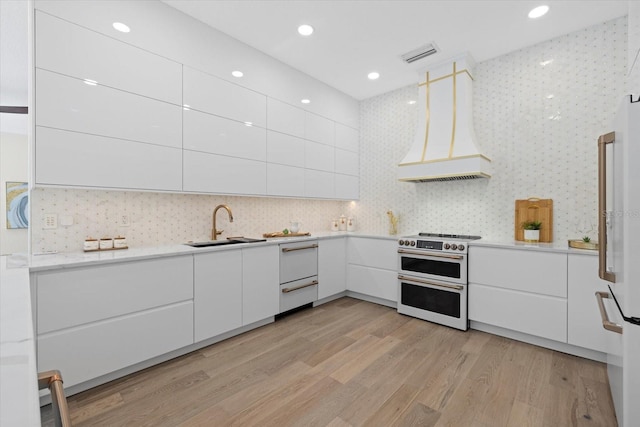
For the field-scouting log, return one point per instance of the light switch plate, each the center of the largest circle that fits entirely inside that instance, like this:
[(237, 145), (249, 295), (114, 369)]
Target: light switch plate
[(50, 221)]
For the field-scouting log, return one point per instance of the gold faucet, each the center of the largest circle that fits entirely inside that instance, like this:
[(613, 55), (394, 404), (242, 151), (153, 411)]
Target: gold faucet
[(215, 233)]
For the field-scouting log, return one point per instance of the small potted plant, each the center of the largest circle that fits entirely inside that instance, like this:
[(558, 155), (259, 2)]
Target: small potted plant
[(531, 230)]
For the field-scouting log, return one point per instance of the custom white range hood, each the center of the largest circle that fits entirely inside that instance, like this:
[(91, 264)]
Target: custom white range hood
[(444, 146)]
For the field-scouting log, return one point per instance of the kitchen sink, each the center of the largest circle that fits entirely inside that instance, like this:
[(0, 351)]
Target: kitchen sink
[(229, 241)]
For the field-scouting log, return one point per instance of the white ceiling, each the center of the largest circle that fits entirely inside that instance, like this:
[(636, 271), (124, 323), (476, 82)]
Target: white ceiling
[(352, 38)]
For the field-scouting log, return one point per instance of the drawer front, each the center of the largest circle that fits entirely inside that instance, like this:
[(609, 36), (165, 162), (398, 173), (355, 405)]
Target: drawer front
[(84, 295), (298, 260), (90, 351), (298, 293), (373, 253), (539, 315), (373, 281)]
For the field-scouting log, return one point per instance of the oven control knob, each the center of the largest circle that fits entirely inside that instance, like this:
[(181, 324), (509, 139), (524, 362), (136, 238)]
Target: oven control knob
[(454, 246), (447, 246), (413, 243), (401, 242), (461, 247)]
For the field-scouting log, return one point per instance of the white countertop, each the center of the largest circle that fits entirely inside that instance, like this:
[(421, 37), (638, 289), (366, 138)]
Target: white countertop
[(560, 247), (19, 398)]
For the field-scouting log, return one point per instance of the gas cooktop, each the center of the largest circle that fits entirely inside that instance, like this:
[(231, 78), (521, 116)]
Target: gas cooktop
[(450, 236)]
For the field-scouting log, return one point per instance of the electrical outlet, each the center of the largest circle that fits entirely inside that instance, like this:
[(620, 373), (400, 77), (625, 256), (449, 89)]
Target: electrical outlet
[(50, 221), (124, 221)]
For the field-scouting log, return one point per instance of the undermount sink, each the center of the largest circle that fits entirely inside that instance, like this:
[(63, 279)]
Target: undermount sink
[(229, 241)]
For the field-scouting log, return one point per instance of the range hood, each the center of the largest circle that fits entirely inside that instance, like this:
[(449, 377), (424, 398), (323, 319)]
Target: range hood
[(444, 147)]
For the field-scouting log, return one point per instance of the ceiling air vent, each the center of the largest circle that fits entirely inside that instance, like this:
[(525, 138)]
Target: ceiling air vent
[(419, 53)]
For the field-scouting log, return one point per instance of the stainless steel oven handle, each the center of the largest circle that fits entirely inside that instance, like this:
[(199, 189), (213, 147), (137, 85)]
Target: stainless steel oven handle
[(287, 290), (301, 248), (426, 282), (606, 323), (404, 251)]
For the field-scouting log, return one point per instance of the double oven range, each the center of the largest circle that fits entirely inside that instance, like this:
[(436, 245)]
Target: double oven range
[(432, 278)]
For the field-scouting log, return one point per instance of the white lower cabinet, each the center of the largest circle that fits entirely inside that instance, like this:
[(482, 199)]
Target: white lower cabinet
[(260, 283), (332, 267), (94, 321), (584, 321), (372, 267), (217, 293), (519, 289)]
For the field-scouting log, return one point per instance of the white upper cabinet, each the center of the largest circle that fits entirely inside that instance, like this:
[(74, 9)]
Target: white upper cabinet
[(71, 104), (319, 129), (347, 187), (285, 180), (211, 173), (75, 51), (347, 162), (319, 156), (285, 118), (77, 159), (347, 138), (319, 184), (216, 96), (216, 135), (285, 149)]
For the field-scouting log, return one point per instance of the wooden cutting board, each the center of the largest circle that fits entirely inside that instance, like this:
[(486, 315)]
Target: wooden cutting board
[(535, 209), (281, 234)]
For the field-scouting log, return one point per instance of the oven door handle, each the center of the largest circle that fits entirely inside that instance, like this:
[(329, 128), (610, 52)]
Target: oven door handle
[(404, 251), (426, 282)]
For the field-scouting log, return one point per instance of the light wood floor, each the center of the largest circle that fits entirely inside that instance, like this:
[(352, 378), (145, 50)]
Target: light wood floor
[(353, 363)]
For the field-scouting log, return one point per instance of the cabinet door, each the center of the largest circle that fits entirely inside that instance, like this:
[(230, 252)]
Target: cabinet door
[(71, 104), (77, 159), (260, 283), (216, 135), (585, 324), (376, 253), (319, 184), (75, 51), (373, 281), (285, 180), (217, 293), (347, 162), (319, 129), (319, 156), (347, 138), (529, 271), (285, 118), (213, 95), (347, 187), (538, 315), (73, 297), (95, 349), (285, 149), (332, 267), (211, 173)]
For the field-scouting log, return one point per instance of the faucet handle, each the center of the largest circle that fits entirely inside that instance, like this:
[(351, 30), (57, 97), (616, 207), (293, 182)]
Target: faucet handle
[(219, 232)]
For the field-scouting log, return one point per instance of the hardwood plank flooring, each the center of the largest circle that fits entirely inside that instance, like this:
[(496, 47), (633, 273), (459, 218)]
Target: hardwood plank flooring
[(353, 363)]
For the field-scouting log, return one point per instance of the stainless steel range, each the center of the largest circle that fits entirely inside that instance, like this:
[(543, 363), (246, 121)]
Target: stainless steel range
[(432, 278)]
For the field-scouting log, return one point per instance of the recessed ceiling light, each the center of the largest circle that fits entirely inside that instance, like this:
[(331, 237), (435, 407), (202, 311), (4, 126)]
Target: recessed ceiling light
[(123, 28), (90, 82), (237, 73), (305, 30), (373, 75), (305, 101), (539, 11)]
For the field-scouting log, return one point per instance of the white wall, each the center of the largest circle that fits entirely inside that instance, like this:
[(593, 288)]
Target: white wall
[(540, 145)]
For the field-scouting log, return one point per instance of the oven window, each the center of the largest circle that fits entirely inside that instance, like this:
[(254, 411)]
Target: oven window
[(430, 299), (429, 266)]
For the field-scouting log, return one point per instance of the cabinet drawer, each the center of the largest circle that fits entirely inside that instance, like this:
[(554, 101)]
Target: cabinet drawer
[(84, 54), (373, 281), (216, 96), (71, 158), (298, 260), (75, 297), (373, 253), (96, 349), (298, 293), (216, 135), (538, 315), (68, 103), (529, 271)]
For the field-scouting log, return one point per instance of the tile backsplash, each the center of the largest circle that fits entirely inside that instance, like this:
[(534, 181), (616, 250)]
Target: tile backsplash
[(537, 114)]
